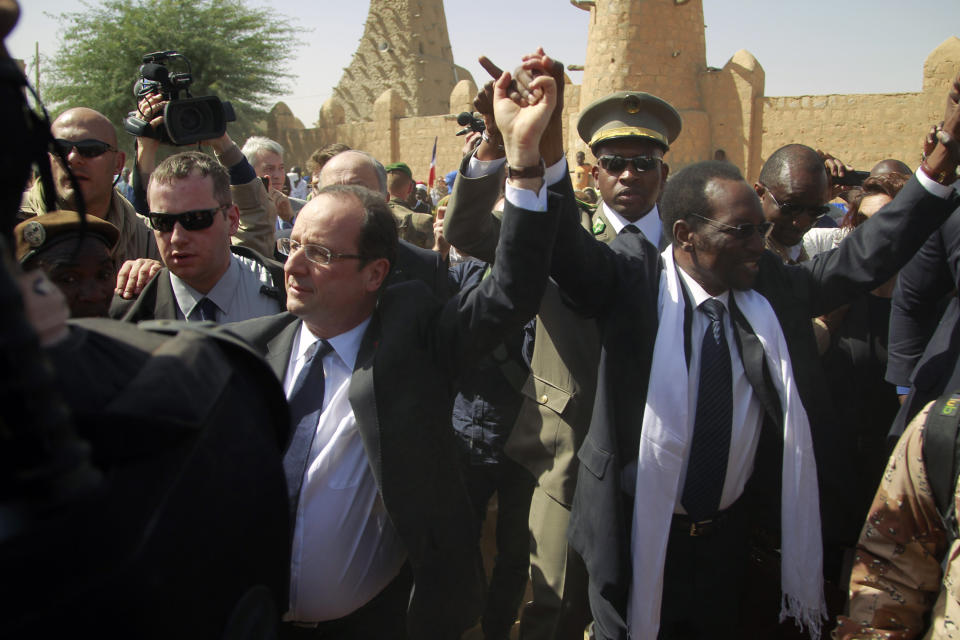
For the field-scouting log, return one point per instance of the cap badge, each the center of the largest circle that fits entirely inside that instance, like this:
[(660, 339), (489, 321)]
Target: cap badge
[(34, 234), (631, 104)]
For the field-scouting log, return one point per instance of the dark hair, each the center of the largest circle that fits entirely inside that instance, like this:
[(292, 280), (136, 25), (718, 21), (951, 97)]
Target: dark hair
[(182, 165), (686, 192), (798, 157), (884, 184), (378, 235)]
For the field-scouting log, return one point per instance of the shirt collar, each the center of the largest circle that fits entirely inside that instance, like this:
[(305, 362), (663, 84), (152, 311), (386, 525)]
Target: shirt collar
[(222, 294), (346, 345), (697, 294), (649, 224)]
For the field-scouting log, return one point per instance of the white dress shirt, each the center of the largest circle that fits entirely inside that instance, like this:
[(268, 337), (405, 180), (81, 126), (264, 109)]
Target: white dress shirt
[(345, 549), (650, 224), (747, 410)]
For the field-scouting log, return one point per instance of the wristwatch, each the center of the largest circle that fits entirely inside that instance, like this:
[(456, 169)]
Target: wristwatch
[(535, 171)]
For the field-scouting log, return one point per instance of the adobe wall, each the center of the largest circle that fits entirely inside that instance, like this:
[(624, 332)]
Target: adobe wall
[(864, 129)]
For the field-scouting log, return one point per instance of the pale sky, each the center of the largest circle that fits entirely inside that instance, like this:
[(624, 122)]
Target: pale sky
[(805, 48)]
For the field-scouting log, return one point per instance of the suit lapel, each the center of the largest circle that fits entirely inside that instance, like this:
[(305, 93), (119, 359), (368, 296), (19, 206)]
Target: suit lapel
[(754, 365), (279, 348), (363, 396)]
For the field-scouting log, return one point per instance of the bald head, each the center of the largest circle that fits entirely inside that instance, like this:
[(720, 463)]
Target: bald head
[(94, 174), (789, 161), (793, 187), (356, 168), (90, 123), (890, 165)]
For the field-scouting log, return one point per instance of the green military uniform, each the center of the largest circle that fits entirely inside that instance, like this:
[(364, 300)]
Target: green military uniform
[(415, 228), (559, 394)]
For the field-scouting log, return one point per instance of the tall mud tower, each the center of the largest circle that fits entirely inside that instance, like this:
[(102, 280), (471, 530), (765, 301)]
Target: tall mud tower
[(405, 47), (657, 46)]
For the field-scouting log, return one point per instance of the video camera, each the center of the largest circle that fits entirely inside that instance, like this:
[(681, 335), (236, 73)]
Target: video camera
[(186, 119), (469, 122)]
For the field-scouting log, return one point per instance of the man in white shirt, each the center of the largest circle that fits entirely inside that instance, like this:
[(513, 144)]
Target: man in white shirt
[(375, 489)]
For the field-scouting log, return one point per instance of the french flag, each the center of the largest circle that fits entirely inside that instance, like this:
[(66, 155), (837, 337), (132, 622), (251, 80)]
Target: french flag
[(433, 164)]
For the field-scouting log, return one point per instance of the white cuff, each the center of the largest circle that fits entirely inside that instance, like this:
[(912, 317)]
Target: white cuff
[(480, 168), (527, 199), (932, 186), (555, 172)]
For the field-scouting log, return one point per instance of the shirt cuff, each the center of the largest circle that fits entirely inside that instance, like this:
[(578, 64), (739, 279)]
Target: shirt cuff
[(555, 172), (527, 199), (932, 186), (480, 168)]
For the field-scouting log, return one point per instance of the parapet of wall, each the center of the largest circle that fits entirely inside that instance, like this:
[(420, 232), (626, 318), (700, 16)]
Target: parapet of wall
[(864, 129)]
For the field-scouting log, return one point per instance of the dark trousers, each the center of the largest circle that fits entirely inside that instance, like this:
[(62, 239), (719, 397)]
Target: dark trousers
[(383, 618), (704, 580), (514, 487)]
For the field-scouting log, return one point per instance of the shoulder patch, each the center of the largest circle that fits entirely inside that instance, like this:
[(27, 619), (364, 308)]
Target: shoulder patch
[(598, 226)]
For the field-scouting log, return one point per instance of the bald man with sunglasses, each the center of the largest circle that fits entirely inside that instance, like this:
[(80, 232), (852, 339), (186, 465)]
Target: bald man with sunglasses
[(88, 141), (204, 278)]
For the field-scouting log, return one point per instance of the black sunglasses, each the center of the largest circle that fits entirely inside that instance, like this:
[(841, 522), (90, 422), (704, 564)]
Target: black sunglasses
[(794, 210), (616, 164), (86, 148), (196, 220), (741, 231)]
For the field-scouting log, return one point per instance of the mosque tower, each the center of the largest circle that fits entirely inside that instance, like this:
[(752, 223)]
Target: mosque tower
[(405, 47)]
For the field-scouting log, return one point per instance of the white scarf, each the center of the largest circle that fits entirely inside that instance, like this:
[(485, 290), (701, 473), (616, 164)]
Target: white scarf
[(665, 441)]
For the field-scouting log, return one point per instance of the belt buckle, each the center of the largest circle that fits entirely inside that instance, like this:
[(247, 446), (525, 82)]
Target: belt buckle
[(700, 528)]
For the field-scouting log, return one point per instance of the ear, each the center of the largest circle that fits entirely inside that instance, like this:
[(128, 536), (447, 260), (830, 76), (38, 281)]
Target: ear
[(760, 189), (664, 172), (595, 172), (121, 160), (683, 235), (233, 218), (376, 272)]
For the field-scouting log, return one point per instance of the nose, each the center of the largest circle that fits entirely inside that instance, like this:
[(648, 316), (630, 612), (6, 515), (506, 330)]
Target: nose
[(178, 234)]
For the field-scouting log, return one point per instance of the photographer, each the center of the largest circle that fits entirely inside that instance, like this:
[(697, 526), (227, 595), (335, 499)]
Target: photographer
[(266, 156)]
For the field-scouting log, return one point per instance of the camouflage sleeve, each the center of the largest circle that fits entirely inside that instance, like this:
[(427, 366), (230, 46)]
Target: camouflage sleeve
[(896, 572)]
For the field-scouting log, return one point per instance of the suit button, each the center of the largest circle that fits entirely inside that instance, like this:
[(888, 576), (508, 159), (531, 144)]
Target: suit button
[(543, 399)]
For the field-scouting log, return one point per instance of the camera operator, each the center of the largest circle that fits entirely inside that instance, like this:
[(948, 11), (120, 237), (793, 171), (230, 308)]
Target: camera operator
[(256, 226), (89, 143)]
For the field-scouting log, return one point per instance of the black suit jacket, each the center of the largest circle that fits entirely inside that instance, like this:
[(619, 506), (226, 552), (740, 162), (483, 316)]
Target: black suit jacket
[(923, 344), (619, 286), (402, 393)]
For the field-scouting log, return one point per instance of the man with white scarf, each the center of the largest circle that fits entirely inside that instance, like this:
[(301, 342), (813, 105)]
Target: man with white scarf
[(666, 554)]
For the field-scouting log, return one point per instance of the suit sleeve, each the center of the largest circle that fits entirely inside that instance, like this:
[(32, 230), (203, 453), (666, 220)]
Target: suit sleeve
[(469, 223), (874, 251), (914, 311), (896, 573)]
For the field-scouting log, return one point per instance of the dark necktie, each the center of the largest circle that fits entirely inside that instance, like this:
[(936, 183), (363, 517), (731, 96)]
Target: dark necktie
[(208, 309), (707, 466), (306, 404), (630, 228)]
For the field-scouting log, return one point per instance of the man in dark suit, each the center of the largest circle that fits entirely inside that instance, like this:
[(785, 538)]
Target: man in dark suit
[(697, 555), (375, 489), (204, 278), (558, 396)]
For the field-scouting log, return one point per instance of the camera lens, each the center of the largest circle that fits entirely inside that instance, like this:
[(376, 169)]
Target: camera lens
[(189, 120)]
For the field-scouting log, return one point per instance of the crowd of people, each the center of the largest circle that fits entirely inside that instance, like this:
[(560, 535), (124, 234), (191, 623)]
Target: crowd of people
[(683, 388)]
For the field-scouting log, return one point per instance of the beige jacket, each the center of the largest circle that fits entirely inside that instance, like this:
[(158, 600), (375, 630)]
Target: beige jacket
[(415, 228), (136, 237)]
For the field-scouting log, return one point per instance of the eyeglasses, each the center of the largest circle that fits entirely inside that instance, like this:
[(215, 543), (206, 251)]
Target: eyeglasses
[(196, 220), (741, 231), (793, 210), (315, 253), (616, 164), (86, 148)]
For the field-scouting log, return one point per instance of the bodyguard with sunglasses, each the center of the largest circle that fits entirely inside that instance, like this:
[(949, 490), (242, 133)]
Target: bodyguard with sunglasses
[(205, 278), (88, 141)]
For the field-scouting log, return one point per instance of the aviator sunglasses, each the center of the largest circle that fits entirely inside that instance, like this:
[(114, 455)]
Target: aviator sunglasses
[(741, 231), (195, 220), (86, 148), (616, 164)]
